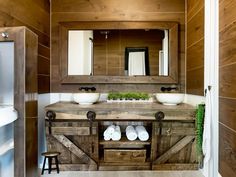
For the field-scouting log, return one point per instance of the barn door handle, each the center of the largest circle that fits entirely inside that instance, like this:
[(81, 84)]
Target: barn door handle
[(159, 117), (91, 116), (51, 115)]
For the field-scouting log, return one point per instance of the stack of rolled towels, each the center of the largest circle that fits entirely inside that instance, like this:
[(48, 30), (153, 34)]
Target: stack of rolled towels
[(132, 133), (112, 133)]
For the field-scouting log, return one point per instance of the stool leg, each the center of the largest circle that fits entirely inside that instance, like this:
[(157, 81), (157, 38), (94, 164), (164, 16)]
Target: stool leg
[(57, 166), (49, 165), (44, 161)]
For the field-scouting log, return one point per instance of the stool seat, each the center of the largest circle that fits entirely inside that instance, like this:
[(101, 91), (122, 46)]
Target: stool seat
[(50, 155)]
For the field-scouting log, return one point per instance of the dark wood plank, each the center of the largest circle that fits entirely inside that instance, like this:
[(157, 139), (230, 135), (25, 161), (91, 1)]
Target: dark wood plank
[(78, 167), (227, 45), (44, 50), (195, 30), (226, 13), (29, 13), (70, 130), (6, 20), (31, 84), (124, 155), (43, 83), (43, 65), (122, 6), (31, 146), (227, 78), (227, 109), (193, 6), (227, 151), (195, 55), (111, 167), (31, 110), (195, 81), (171, 166)]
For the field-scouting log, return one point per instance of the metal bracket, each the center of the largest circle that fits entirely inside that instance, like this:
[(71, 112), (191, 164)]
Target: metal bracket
[(159, 117), (51, 115)]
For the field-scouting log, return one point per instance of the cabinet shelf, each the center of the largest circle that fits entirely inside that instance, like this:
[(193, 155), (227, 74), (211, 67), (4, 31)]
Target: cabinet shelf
[(124, 141)]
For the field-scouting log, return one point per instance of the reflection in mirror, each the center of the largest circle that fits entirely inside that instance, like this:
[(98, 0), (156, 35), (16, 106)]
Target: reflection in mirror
[(163, 55), (136, 61), (103, 52), (80, 52)]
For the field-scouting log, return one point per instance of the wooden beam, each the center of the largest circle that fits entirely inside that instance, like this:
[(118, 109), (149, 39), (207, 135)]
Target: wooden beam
[(70, 131), (174, 149), (74, 149), (175, 166)]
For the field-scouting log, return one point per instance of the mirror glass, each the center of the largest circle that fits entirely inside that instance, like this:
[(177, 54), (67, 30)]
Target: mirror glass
[(129, 52)]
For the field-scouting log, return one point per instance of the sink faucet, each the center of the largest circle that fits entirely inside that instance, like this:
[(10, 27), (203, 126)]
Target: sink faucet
[(92, 89), (163, 89)]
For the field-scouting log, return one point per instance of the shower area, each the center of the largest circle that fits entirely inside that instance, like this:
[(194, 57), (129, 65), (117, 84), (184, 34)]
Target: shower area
[(18, 102), (7, 112)]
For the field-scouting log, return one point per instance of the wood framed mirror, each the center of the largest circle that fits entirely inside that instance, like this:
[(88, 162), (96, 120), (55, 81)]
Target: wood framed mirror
[(107, 30)]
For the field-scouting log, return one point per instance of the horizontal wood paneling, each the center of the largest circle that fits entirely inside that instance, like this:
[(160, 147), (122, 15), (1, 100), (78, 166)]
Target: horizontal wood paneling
[(195, 47), (227, 149), (44, 51), (226, 13), (120, 6), (195, 55), (227, 88), (195, 29), (227, 112), (227, 46), (105, 10), (193, 7), (43, 65), (33, 14), (195, 82), (227, 79)]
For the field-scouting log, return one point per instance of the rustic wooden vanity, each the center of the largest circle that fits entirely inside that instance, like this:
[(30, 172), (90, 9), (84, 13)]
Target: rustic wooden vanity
[(77, 132)]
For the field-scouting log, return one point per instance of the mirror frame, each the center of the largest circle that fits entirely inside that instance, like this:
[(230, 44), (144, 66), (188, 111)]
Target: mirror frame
[(64, 27)]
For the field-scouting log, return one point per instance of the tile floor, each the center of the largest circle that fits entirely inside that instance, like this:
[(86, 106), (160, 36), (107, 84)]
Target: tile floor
[(124, 174)]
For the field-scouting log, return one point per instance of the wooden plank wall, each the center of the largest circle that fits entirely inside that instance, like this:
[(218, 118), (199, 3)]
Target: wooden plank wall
[(33, 14), (195, 47), (227, 98), (113, 10)]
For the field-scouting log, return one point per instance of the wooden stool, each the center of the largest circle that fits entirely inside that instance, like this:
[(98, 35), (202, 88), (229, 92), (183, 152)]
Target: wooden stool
[(50, 156)]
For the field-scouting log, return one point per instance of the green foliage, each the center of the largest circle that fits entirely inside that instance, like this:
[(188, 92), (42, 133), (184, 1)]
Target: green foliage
[(199, 127), (128, 96)]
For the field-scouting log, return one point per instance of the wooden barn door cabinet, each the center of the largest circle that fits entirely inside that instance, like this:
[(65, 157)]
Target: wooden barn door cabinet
[(171, 146)]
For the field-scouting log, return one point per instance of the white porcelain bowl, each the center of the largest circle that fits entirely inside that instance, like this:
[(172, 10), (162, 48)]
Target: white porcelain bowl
[(86, 98), (170, 98)]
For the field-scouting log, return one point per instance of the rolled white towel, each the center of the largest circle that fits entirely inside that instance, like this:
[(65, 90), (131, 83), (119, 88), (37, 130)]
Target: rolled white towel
[(107, 137), (110, 129), (142, 133), (105, 133), (116, 135), (131, 133)]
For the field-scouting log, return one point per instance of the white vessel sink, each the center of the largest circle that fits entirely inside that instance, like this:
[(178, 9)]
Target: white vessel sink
[(86, 98), (7, 115), (170, 98)]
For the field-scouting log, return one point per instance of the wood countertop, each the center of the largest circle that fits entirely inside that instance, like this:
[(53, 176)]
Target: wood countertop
[(121, 111)]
